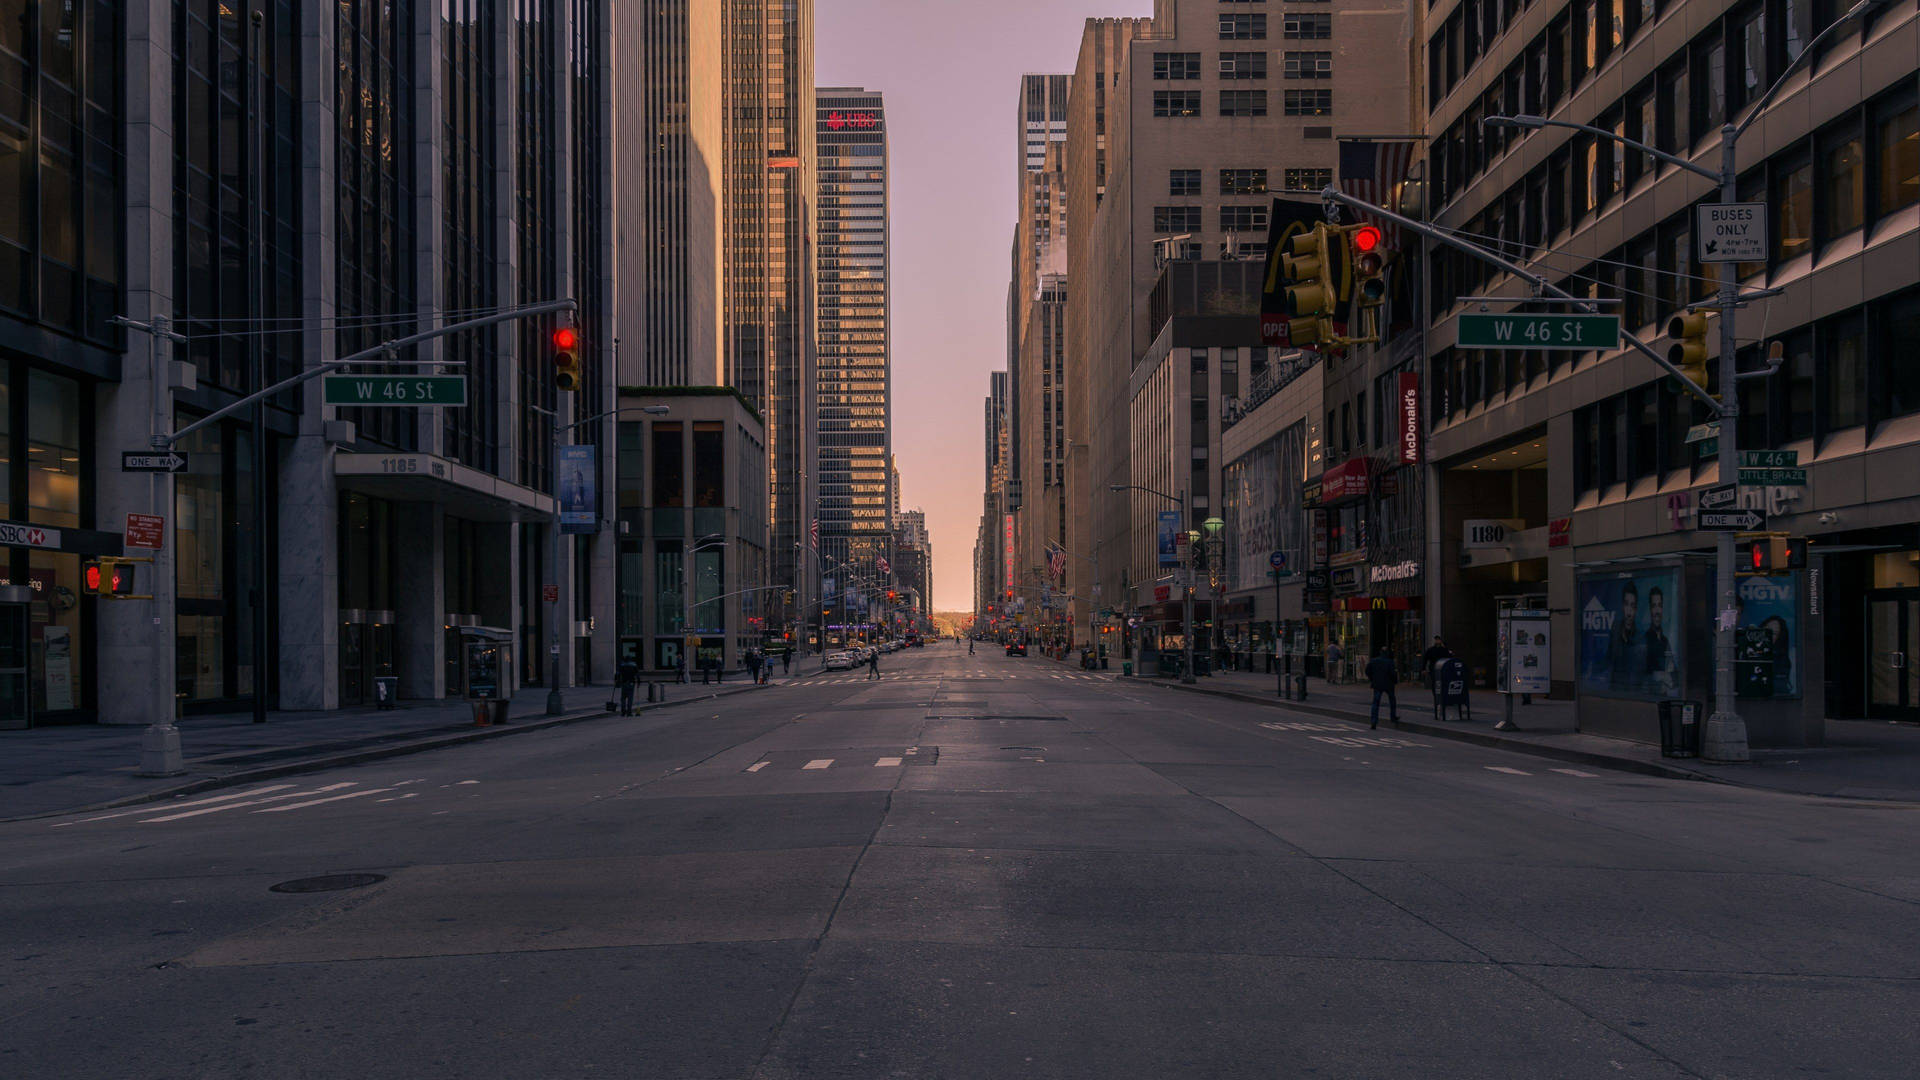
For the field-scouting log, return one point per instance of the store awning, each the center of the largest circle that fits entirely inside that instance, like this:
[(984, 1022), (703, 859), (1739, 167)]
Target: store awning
[(461, 490)]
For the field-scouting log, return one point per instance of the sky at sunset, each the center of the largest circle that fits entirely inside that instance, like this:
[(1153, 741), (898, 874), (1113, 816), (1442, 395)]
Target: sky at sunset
[(950, 70)]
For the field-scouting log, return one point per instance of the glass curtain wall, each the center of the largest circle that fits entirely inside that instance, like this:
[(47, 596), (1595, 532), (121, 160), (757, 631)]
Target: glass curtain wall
[(472, 434)]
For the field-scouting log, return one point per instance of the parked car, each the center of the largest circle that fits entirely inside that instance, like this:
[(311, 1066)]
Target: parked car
[(840, 661), (1016, 648)]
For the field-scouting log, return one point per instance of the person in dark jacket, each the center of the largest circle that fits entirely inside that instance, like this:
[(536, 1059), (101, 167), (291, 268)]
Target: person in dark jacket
[(1435, 653), (627, 676), (1382, 677)]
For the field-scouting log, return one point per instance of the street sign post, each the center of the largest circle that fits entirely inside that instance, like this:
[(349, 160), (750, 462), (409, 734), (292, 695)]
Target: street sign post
[(1577, 332), (170, 462), (378, 390), (1733, 520), (1714, 498), (1731, 232)]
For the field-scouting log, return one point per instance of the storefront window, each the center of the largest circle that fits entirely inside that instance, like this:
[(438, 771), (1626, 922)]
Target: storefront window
[(55, 631), (53, 450), (53, 498), (666, 587)]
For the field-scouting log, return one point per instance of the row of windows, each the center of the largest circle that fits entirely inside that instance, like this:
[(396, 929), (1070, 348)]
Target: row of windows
[(1843, 372), (1187, 219), (1168, 103), (1724, 68), (1244, 65), (1248, 181), (1854, 172), (1292, 24)]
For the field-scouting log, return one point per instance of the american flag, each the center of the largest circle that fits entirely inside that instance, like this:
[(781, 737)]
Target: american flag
[(1057, 560), (1370, 172), (885, 566), (816, 532)]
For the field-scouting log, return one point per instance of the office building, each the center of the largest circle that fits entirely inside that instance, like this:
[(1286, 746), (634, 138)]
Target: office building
[(854, 412), (1583, 459)]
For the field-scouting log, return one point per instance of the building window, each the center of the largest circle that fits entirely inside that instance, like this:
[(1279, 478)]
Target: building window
[(1243, 65), (1843, 364), (1309, 103), (1242, 218), (1176, 219), (1306, 25), (1243, 103), (1183, 182), (1176, 103), (1308, 179), (1243, 181), (1307, 65), (1896, 151), (1178, 65), (1843, 185), (1793, 207), (1243, 27)]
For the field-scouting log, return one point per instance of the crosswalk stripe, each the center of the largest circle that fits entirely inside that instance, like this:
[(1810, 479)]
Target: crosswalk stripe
[(238, 805), (229, 797), (757, 766), (818, 763), (1577, 772), (1512, 772), (317, 802), (886, 763)]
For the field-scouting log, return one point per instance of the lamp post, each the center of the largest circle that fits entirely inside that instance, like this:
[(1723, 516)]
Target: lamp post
[(1216, 577), (1725, 737), (1186, 589), (710, 542)]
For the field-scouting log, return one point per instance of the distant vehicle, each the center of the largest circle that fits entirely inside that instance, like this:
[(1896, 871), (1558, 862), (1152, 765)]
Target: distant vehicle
[(1016, 648), (840, 661)]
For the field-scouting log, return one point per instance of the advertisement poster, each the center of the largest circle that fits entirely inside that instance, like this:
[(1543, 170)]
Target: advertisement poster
[(1773, 603), (579, 494), (1631, 643), (58, 641), (1169, 530), (1525, 653)]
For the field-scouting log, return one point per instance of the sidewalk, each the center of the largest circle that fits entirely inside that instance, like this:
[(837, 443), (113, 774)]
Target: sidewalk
[(1863, 759), (52, 770)]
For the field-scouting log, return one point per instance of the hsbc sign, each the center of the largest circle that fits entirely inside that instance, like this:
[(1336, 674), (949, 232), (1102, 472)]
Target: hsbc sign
[(14, 534)]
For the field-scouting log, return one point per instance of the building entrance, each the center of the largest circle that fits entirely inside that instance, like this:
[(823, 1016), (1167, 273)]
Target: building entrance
[(16, 698), (1893, 654), (366, 653)]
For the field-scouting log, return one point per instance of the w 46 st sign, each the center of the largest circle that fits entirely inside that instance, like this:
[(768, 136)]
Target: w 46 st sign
[(1573, 332)]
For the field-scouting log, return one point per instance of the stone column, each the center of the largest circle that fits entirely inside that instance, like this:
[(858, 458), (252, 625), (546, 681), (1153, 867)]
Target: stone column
[(419, 574), (137, 638)]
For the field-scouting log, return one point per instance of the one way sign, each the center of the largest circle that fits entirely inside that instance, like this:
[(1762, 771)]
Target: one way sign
[(168, 462), (1738, 521)]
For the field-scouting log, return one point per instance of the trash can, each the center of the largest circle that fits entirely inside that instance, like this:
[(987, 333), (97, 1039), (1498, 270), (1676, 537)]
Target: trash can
[(1126, 667), (386, 691), (1679, 728)]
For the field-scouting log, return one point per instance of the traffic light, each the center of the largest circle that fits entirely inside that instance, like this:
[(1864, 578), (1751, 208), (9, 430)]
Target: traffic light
[(1369, 264), (1773, 555), (1689, 349), (1321, 274), (566, 358), (110, 578), (890, 596)]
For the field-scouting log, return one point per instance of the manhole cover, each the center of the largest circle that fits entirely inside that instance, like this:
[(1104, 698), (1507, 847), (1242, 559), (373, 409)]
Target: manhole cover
[(328, 883)]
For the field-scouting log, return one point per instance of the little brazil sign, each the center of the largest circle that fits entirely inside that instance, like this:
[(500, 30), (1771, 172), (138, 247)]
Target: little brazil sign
[(395, 390), (1574, 332)]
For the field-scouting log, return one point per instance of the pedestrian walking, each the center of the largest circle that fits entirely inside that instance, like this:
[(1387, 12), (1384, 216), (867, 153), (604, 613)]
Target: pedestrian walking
[(1382, 677), (680, 668), (1435, 653), (873, 664), (753, 668), (969, 646), (626, 676), (786, 661), (1334, 656)]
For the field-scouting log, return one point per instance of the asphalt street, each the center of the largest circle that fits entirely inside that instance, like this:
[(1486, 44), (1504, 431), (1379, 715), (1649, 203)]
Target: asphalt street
[(977, 866)]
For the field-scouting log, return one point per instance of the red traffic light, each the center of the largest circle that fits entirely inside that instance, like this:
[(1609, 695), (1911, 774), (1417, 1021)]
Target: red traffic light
[(93, 577), (1757, 554), (566, 337), (1366, 238)]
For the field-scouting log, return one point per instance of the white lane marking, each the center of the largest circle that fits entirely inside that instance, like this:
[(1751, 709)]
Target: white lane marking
[(397, 798), (757, 766), (818, 763), (1511, 772), (1576, 772), (229, 797), (464, 782), (911, 750), (886, 763), (238, 805), (317, 802)]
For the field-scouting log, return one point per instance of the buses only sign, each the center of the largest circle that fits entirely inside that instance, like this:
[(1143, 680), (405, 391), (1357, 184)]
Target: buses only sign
[(1732, 232)]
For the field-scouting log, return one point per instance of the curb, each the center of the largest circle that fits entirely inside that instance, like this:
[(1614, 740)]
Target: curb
[(1480, 738), (357, 757)]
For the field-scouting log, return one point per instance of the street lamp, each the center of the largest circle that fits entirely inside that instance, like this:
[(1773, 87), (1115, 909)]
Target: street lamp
[(1725, 737)]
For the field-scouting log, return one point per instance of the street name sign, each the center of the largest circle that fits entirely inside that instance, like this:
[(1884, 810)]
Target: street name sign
[(1707, 447), (1702, 432), (1769, 459), (168, 462), (1778, 477), (1510, 331), (394, 390), (1736, 521), (1731, 232), (1714, 498)]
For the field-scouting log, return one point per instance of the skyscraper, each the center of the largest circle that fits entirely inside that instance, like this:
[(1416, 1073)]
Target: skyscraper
[(854, 415)]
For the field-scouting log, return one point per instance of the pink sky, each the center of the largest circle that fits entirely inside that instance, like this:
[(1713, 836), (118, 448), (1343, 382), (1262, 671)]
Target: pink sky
[(951, 71)]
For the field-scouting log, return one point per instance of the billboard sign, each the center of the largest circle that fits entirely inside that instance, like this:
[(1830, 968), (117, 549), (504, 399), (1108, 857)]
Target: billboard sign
[(1630, 642), (579, 492)]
